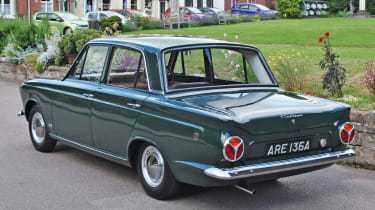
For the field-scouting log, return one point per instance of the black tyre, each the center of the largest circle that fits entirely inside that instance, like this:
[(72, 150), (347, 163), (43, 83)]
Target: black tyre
[(154, 173), (38, 131), (68, 31)]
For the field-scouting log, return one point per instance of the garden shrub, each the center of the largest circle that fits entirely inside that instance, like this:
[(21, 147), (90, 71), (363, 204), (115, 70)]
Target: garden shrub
[(71, 44), (129, 27), (255, 18), (48, 57), (208, 20), (289, 69), (334, 78), (244, 18), (336, 6), (152, 25), (369, 78), (59, 59), (288, 8), (39, 67), (236, 19), (140, 21), (111, 24)]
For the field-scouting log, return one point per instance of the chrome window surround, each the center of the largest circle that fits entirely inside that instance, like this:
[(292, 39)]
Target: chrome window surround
[(120, 45), (233, 46), (279, 166)]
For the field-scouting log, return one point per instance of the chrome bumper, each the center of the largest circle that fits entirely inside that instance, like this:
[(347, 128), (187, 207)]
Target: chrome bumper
[(279, 166)]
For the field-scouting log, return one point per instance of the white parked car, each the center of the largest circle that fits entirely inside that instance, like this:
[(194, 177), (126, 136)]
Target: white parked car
[(99, 15)]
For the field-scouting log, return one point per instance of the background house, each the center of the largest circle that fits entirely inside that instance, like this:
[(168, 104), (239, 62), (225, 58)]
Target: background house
[(11, 8)]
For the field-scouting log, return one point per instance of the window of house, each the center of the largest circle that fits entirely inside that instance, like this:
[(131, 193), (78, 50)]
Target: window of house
[(5, 7), (46, 5), (210, 3), (199, 3), (188, 3), (127, 69), (107, 5)]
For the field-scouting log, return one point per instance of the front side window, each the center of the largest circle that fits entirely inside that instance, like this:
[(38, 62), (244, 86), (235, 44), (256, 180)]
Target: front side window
[(208, 67), (92, 15), (41, 16), (46, 5), (54, 17), (127, 69), (94, 63)]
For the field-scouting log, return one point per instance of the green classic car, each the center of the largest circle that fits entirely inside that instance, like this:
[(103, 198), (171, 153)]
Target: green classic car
[(63, 22), (185, 110)]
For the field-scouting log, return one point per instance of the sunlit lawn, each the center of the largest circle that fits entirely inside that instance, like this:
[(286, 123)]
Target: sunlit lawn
[(353, 39)]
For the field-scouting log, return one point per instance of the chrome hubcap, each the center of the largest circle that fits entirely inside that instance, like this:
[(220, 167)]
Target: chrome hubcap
[(38, 128), (152, 166)]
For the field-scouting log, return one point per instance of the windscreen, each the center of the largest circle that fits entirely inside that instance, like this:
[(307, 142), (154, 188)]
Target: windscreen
[(207, 67)]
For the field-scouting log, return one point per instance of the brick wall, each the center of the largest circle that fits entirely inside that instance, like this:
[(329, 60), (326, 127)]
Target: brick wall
[(22, 10)]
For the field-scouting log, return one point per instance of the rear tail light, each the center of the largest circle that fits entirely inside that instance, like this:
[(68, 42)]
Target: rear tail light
[(233, 148), (347, 133)]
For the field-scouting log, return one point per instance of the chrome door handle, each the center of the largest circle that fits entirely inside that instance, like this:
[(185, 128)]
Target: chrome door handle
[(134, 105), (88, 95)]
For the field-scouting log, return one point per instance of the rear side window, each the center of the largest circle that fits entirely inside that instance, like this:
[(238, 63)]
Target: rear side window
[(127, 69), (41, 16)]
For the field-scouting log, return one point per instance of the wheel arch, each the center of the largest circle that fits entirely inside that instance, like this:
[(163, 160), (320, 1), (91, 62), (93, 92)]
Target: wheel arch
[(28, 106), (66, 27), (133, 147)]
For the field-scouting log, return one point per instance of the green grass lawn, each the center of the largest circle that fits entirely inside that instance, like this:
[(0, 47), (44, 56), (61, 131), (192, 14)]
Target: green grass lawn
[(352, 38)]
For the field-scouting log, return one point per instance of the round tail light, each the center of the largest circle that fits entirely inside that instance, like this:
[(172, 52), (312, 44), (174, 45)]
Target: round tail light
[(347, 133), (233, 148)]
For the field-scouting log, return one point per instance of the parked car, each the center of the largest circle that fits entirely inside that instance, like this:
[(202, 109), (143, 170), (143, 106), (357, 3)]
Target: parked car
[(99, 15), (211, 11), (131, 13), (253, 9), (186, 12), (64, 22), (185, 110)]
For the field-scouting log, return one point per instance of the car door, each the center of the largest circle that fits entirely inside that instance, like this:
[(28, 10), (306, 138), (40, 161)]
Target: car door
[(119, 100), (39, 18), (253, 10), (56, 22), (73, 99)]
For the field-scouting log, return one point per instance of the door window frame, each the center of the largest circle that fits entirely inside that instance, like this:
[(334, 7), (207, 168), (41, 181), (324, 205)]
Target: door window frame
[(109, 59), (104, 75), (84, 52)]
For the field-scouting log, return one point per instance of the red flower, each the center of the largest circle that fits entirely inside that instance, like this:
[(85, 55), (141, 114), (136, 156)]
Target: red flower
[(327, 53), (321, 39), (326, 34)]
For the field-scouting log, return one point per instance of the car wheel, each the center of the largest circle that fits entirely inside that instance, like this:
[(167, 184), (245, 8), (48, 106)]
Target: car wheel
[(38, 131), (68, 31), (154, 173)]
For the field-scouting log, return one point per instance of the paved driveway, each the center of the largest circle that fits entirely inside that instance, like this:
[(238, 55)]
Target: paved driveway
[(70, 179)]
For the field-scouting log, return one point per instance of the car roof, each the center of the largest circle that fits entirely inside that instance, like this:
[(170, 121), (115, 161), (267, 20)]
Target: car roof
[(161, 42)]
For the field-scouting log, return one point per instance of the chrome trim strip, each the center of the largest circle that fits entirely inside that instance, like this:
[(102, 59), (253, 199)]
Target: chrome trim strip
[(279, 166), (91, 150)]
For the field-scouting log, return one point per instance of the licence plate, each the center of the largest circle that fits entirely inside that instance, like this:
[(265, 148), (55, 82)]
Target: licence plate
[(288, 147)]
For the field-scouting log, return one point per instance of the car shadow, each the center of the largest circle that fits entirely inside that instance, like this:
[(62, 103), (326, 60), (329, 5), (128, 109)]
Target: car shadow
[(298, 190)]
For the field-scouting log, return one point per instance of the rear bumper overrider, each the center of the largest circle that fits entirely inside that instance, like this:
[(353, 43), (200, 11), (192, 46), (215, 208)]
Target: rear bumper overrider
[(279, 166)]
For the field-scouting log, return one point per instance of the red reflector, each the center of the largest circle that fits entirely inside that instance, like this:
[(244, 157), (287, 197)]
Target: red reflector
[(344, 136), (229, 151), (347, 133), (348, 127), (233, 148), (239, 151), (235, 141)]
